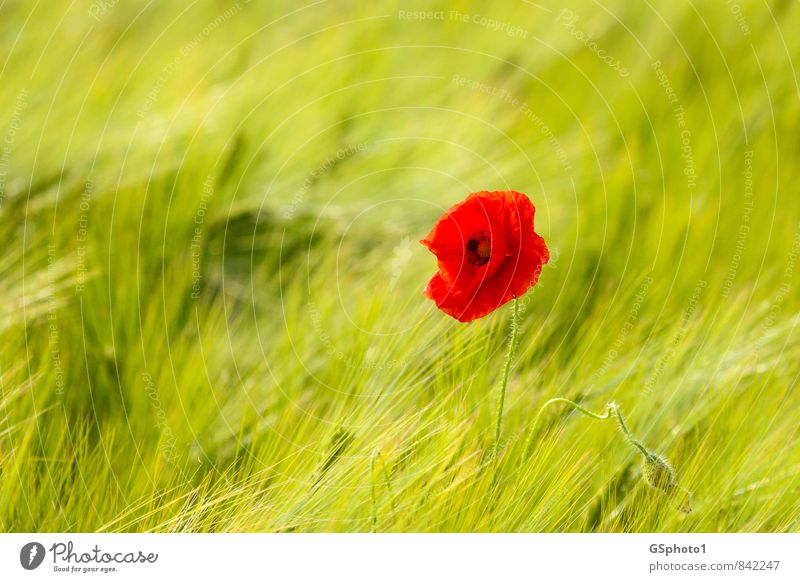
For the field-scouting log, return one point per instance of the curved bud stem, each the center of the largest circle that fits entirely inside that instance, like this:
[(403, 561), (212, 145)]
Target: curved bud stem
[(625, 430), (657, 472), (575, 405)]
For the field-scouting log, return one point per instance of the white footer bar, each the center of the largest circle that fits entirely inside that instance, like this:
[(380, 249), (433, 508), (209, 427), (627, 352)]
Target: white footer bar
[(406, 557)]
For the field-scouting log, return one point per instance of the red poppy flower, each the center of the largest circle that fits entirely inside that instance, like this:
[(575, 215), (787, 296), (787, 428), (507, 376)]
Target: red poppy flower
[(488, 254)]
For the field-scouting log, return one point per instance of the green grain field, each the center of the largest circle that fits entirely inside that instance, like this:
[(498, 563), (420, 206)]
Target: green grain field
[(211, 309)]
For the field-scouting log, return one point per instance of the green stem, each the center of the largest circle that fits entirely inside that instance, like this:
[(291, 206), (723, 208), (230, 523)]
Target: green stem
[(657, 472), (611, 410), (512, 348), (626, 431)]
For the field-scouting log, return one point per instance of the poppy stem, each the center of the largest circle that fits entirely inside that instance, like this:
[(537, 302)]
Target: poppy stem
[(512, 348), (612, 410), (626, 431), (656, 471)]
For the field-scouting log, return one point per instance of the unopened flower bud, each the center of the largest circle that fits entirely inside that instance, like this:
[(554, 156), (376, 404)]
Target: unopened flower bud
[(657, 473)]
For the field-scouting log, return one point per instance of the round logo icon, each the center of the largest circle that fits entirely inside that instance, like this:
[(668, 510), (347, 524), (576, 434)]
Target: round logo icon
[(31, 555)]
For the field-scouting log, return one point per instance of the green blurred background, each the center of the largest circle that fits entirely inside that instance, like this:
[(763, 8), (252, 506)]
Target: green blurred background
[(210, 284)]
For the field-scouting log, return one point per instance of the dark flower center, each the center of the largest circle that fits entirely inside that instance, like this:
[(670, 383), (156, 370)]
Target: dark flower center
[(479, 248)]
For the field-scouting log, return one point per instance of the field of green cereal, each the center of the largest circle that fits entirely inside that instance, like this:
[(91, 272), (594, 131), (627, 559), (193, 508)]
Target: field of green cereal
[(211, 309)]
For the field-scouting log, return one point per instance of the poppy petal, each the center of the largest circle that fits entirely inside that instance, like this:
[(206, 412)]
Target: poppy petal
[(487, 252)]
